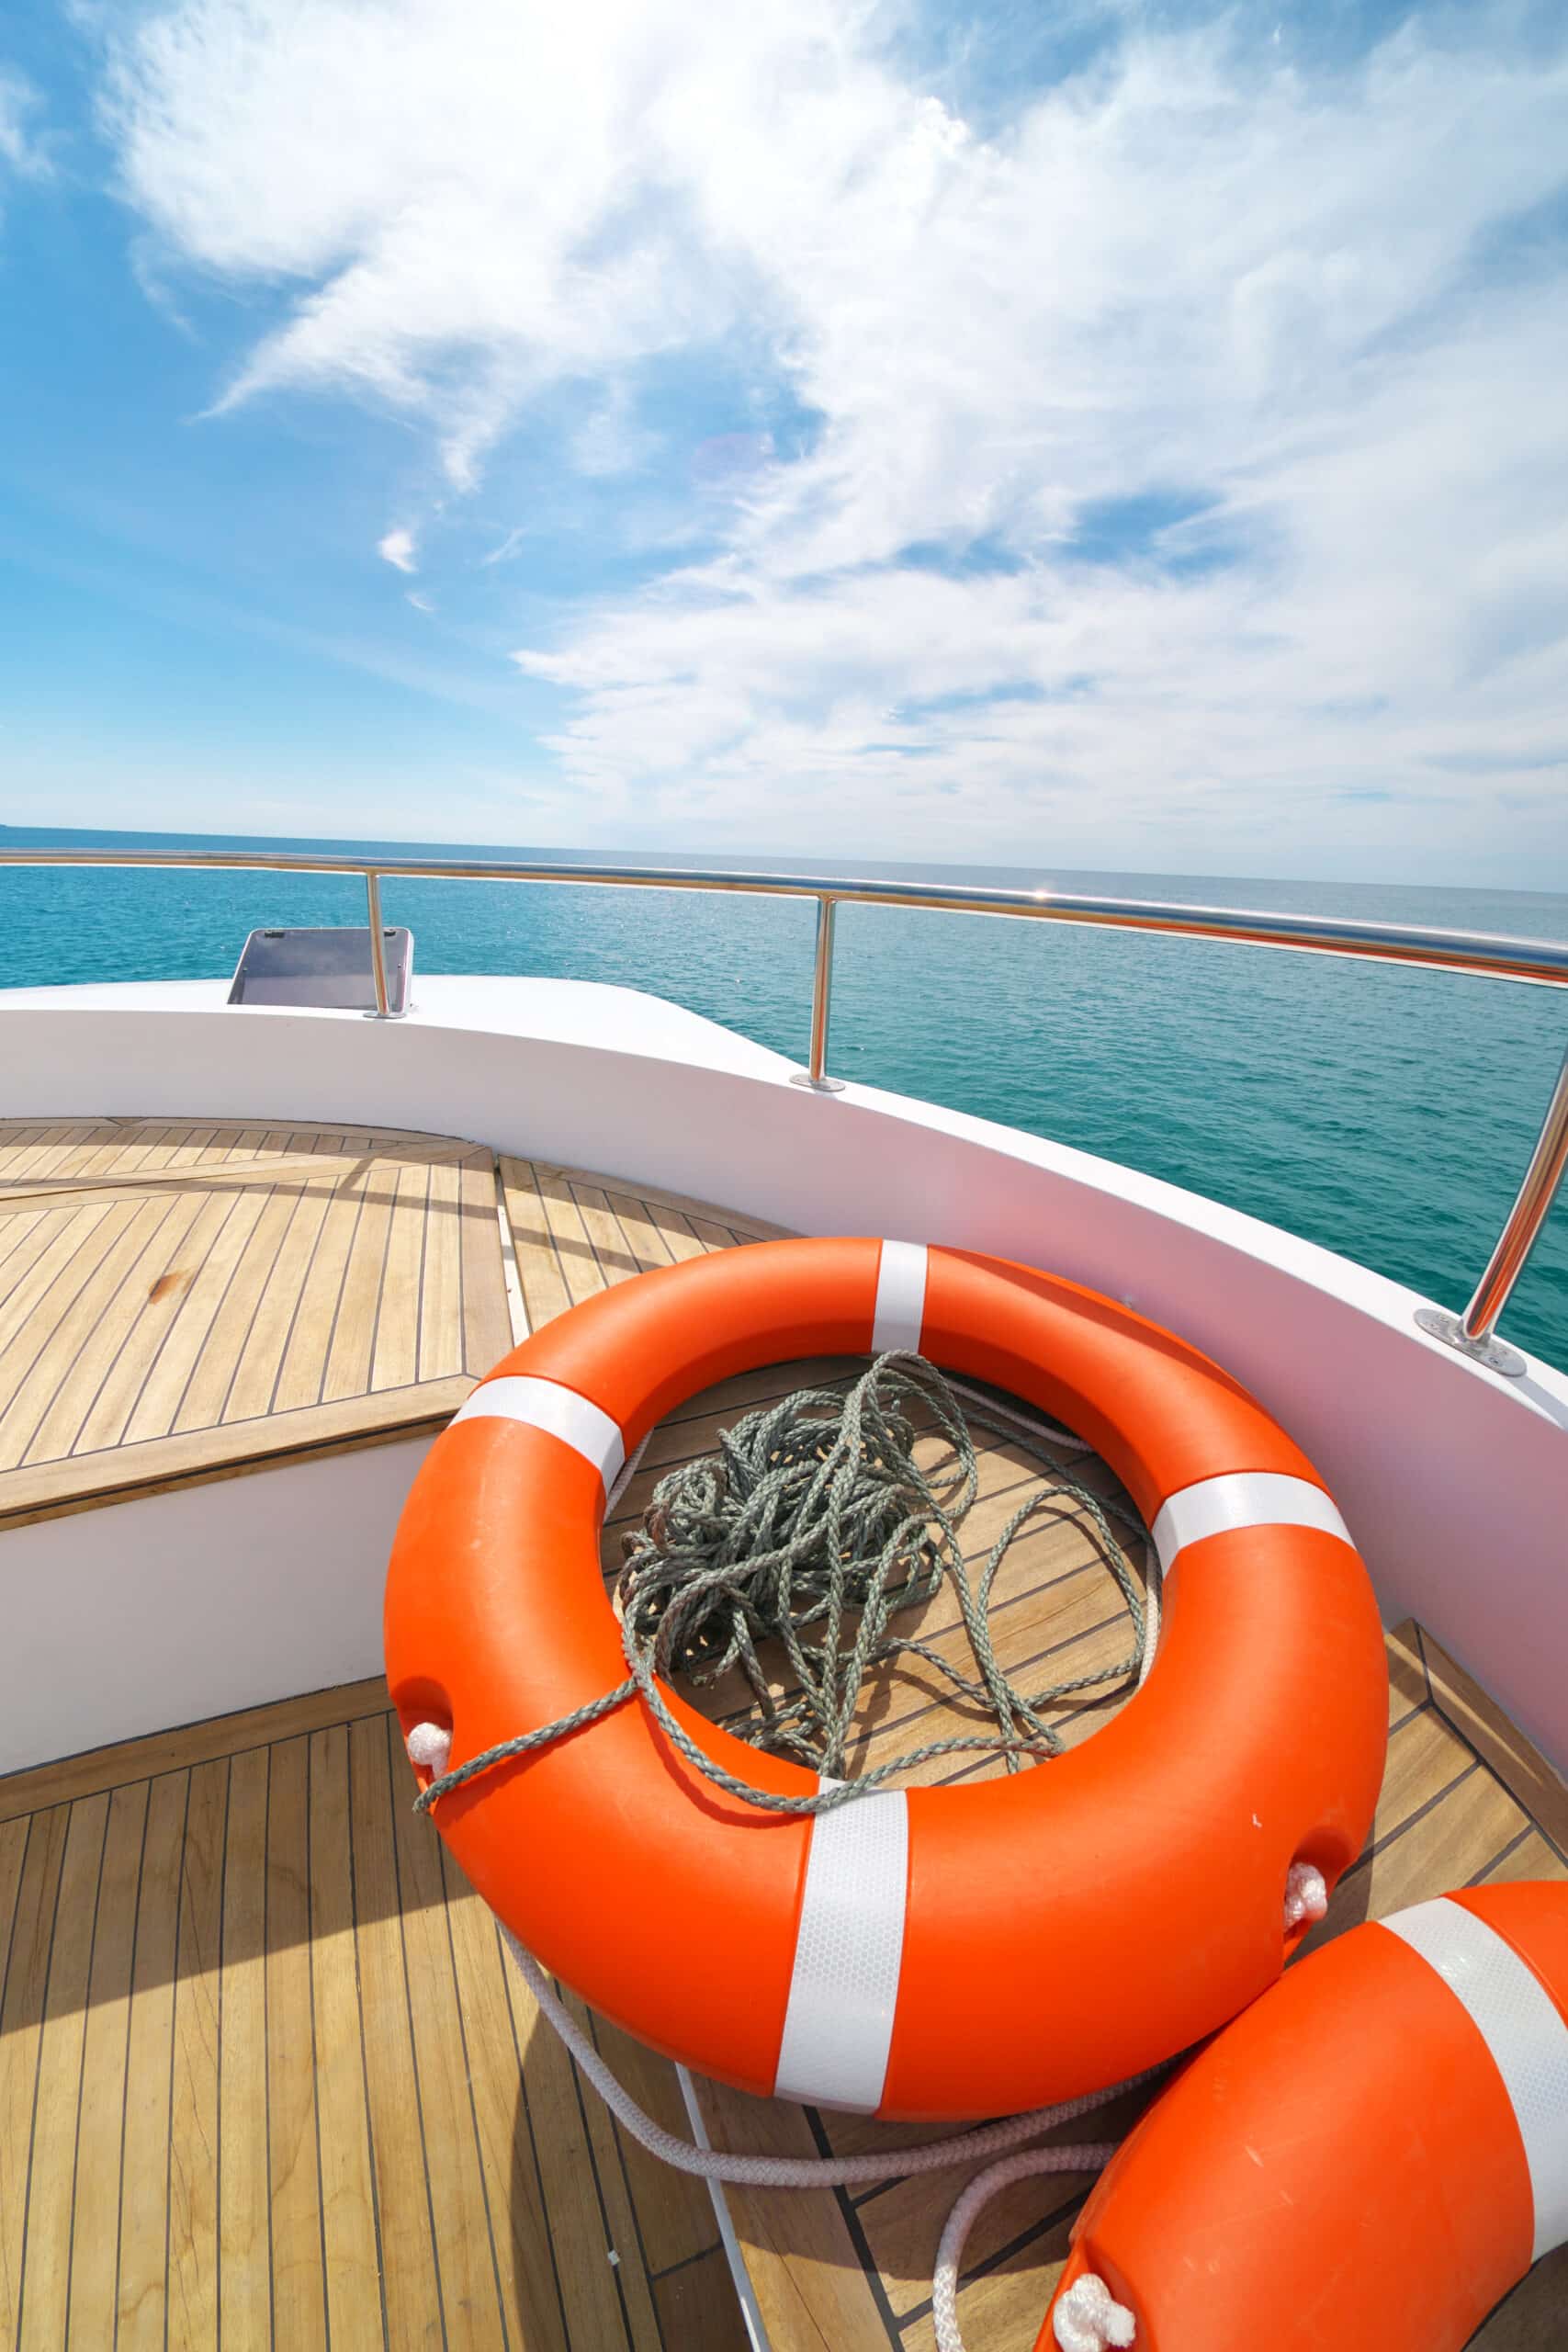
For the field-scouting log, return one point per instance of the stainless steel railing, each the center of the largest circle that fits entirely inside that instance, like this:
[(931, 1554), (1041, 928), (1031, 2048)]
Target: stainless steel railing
[(1541, 962)]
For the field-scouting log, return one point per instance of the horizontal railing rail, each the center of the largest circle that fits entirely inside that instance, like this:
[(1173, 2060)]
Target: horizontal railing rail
[(1542, 963)]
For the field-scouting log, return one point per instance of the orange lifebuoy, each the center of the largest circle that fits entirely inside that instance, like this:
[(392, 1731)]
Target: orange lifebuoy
[(1368, 2159), (931, 1952)]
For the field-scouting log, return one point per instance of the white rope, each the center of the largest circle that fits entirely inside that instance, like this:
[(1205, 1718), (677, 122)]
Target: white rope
[(629, 1471), (844, 2172), (1154, 1588), (961, 2220), (1306, 1895), (1087, 2318), (429, 1746), (797, 2172)]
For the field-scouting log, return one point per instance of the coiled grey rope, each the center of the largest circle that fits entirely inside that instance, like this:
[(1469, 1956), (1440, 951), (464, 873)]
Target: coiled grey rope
[(813, 1512)]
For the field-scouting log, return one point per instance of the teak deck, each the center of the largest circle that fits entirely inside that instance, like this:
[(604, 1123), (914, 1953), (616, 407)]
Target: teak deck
[(185, 1299), (180, 1298), (265, 2078)]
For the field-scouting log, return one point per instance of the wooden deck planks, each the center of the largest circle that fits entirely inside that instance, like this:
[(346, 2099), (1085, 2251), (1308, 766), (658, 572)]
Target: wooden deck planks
[(44, 2284), (64, 1237), (30, 1946), (1477, 1720), (171, 1294), (13, 1858), (695, 2304), (539, 1269), (189, 2305), (411, 2274), (64, 1381), (24, 1237), (350, 2218), (394, 1361), (570, 2185), (352, 1337), (575, 1233), (48, 1328), (303, 1372), (241, 2267), (273, 1317), (94, 2220), (155, 1394), (575, 1253), (486, 1320), (462, 2219), (441, 1275), (136, 1362), (814, 2288), (294, 2147), (528, 2278), (623, 2252)]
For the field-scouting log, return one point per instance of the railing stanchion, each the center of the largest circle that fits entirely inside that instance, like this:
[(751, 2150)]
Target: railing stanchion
[(815, 1075), (377, 945), (1474, 1331)]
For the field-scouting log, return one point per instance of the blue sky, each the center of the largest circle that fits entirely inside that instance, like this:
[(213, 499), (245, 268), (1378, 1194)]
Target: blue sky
[(1134, 436)]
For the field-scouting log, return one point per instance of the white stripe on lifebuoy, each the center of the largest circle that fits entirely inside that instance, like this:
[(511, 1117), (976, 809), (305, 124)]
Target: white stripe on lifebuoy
[(546, 1405), (1524, 2031), (1241, 1498), (849, 1951), (901, 1311)]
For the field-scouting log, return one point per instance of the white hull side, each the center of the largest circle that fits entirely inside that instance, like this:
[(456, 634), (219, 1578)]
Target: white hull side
[(163, 1610)]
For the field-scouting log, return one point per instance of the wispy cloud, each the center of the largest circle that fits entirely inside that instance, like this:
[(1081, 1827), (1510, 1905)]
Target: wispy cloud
[(23, 147), (1186, 451), (398, 548)]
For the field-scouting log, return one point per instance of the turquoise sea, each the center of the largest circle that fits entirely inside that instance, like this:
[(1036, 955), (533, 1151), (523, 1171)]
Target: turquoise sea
[(1386, 1113)]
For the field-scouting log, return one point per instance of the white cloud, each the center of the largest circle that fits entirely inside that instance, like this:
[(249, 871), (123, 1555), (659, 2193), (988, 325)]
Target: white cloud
[(1200, 271), (22, 149), (398, 548)]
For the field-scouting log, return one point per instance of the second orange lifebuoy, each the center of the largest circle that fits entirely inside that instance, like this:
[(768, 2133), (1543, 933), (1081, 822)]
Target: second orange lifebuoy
[(1368, 2159), (932, 1952)]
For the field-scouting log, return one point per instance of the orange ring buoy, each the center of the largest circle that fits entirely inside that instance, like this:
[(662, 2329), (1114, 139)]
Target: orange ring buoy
[(1369, 2158), (931, 1951)]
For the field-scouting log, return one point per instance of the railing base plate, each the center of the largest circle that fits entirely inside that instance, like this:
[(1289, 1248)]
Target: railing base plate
[(1493, 1353), (817, 1085)]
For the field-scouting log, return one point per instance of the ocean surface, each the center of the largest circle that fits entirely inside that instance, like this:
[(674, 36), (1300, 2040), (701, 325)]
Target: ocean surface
[(1385, 1113)]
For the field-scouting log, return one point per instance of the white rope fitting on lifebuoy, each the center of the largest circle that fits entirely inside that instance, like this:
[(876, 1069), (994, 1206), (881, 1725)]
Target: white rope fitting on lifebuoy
[(1088, 2318), (429, 1746), (1307, 1894)]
